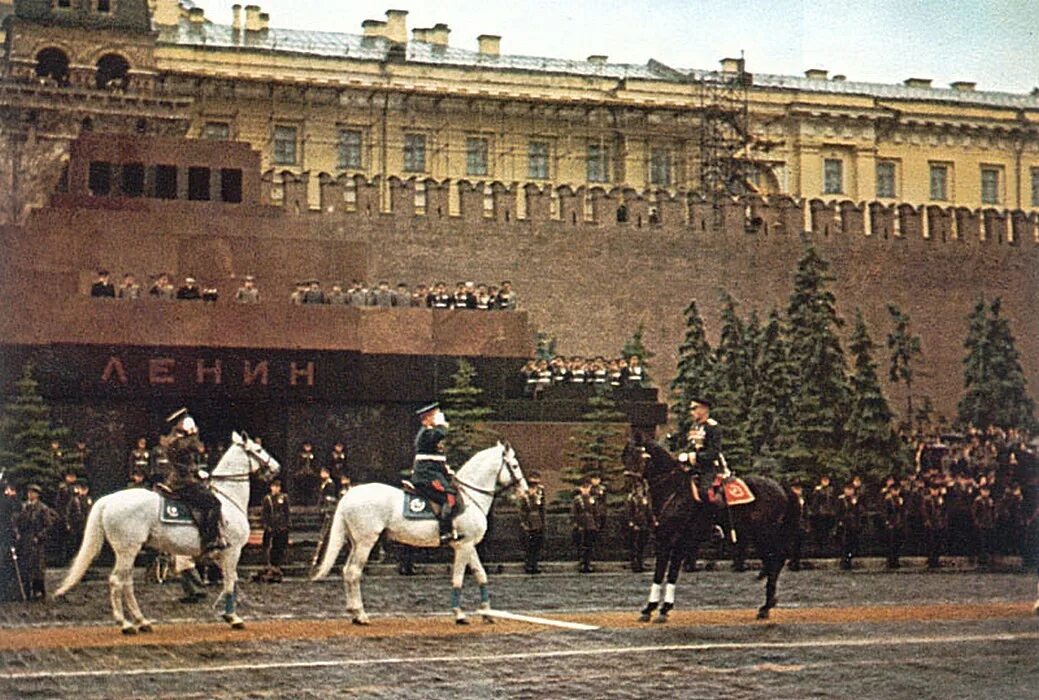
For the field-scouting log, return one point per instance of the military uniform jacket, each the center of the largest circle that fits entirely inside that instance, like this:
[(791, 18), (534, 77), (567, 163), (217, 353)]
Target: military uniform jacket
[(430, 462), (823, 502), (532, 510), (640, 516), (984, 512), (34, 522), (62, 499), (932, 510), (76, 512), (305, 462), (9, 508), (583, 513), (275, 515), (706, 440), (140, 459), (183, 453), (850, 512), (894, 511), (329, 496)]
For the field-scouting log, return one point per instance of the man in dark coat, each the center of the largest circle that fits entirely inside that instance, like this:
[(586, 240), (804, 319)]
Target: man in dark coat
[(277, 520), (640, 522), (935, 521), (103, 287), (32, 526), (430, 475), (76, 512), (894, 523), (532, 520), (585, 520), (850, 515), (184, 481), (66, 491)]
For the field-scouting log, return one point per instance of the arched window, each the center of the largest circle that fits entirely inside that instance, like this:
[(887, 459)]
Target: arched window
[(52, 66), (112, 72)]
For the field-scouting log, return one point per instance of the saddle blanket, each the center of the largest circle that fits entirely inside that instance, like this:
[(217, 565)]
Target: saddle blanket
[(417, 508), (174, 512), (737, 493)]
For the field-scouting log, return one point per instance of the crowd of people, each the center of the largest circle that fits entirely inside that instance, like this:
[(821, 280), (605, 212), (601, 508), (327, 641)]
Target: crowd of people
[(540, 374), (466, 295)]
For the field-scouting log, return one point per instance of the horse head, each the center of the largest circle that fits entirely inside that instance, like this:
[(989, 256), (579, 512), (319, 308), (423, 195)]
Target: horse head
[(244, 458), (510, 474), (261, 462)]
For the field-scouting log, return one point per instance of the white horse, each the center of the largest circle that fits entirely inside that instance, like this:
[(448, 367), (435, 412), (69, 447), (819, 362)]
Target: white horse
[(129, 519), (368, 510)]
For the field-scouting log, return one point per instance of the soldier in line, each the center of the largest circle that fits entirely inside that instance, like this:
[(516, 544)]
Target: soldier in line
[(32, 526), (640, 522), (64, 494), (532, 520), (277, 519), (894, 522), (822, 512), (76, 512), (337, 461), (138, 479), (9, 508), (797, 488), (302, 482), (935, 522), (328, 498), (248, 293), (983, 511), (140, 458), (850, 514), (585, 520), (439, 298)]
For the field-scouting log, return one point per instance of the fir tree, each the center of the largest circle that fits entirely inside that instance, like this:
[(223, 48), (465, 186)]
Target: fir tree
[(26, 434), (463, 405), (695, 370), (995, 391), (905, 348), (634, 347), (596, 447), (819, 401), (733, 377), (871, 446), (769, 409)]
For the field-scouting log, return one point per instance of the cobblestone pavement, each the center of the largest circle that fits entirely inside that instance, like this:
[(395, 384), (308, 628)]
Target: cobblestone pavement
[(905, 640)]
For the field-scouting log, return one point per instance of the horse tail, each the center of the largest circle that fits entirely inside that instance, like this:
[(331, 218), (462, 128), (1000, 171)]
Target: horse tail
[(336, 537), (93, 539)]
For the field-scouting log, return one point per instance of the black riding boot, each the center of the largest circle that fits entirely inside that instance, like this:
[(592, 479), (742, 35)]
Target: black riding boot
[(446, 523), (211, 539)]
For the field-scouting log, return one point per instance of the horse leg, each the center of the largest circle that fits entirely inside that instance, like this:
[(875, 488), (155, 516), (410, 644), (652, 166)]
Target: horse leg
[(661, 567), (772, 565), (122, 571), (674, 570), (352, 570), (481, 578), (464, 553), (229, 569), (140, 621)]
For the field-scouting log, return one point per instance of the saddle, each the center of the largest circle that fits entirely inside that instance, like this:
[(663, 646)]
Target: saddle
[(175, 512), (729, 491), (417, 507)]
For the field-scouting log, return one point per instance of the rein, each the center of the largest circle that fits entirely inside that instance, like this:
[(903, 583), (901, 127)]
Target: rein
[(492, 493)]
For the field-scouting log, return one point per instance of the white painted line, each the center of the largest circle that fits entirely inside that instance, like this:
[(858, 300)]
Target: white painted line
[(506, 615), (520, 656)]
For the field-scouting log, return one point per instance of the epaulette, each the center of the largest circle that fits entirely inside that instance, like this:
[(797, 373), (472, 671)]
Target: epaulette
[(711, 421)]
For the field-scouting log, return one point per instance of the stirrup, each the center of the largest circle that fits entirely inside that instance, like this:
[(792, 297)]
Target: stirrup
[(452, 536)]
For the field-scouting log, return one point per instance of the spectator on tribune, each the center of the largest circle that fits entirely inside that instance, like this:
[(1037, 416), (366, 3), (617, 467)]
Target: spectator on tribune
[(103, 287), (189, 291), (313, 295), (382, 296), (248, 293), (336, 296), (129, 289), (162, 288), (506, 299)]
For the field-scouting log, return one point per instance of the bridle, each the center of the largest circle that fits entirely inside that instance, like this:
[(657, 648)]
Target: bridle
[(514, 480)]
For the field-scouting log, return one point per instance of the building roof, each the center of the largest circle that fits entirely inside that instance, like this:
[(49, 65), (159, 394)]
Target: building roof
[(358, 47)]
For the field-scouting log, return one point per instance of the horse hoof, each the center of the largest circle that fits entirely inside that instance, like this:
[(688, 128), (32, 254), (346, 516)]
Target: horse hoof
[(645, 617), (361, 621), (661, 619), (129, 630), (144, 627), (763, 613), (487, 620), (461, 621)]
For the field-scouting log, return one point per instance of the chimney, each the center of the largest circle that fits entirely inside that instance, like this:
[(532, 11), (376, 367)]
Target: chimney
[(436, 35), (963, 86), (265, 21), (166, 13), (396, 26), (252, 18), (918, 82), (816, 73), (839, 78), (597, 59), (732, 65), (196, 15), (236, 18), (490, 45)]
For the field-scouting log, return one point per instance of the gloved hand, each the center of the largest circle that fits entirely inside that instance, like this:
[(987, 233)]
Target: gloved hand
[(203, 474), (440, 420), (683, 457)]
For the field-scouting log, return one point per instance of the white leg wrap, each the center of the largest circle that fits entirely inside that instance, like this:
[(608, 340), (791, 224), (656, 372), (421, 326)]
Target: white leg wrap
[(669, 593), (654, 593)]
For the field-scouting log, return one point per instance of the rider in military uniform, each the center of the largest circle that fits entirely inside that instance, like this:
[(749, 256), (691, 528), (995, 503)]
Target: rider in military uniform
[(703, 449), (183, 479), (430, 475)]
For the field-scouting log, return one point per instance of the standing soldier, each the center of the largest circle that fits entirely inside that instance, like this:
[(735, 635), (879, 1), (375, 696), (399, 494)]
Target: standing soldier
[(76, 513), (140, 458), (65, 493), (32, 525), (248, 293), (599, 493), (934, 523), (328, 498), (585, 520), (850, 513), (983, 510), (10, 581), (337, 461), (532, 520), (160, 464), (801, 532), (894, 522), (822, 512), (303, 482), (277, 520), (640, 521)]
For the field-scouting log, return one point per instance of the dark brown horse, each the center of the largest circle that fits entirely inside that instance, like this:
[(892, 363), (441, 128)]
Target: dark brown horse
[(769, 522)]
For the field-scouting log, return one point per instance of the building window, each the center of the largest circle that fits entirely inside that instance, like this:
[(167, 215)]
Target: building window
[(537, 160), (349, 149), (476, 156), (415, 153), (1035, 187), (52, 66), (100, 179), (660, 167), (216, 131), (166, 181), (231, 185), (833, 176), (939, 181), (113, 72), (198, 184), (133, 180), (598, 163), (885, 179), (284, 145), (990, 186)]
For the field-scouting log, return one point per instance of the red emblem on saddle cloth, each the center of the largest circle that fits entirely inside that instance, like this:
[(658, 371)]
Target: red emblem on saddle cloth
[(737, 493)]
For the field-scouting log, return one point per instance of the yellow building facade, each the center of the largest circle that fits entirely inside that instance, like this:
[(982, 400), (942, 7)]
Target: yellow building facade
[(389, 102)]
